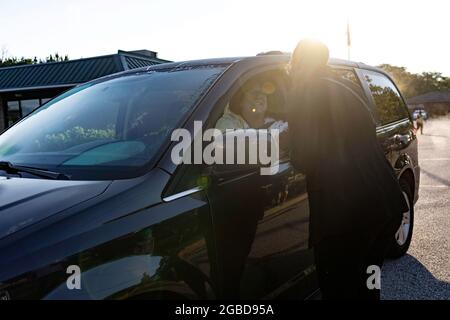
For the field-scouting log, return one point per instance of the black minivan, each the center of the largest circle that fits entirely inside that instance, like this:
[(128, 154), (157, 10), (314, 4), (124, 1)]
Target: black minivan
[(93, 207)]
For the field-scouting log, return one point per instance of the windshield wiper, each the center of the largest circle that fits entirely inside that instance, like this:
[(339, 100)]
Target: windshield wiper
[(43, 173)]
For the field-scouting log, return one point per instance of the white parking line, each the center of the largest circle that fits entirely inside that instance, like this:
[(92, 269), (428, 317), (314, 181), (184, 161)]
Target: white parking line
[(435, 159), (434, 186)]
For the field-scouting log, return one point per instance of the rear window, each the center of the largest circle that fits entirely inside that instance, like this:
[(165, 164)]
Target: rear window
[(349, 78), (389, 104)]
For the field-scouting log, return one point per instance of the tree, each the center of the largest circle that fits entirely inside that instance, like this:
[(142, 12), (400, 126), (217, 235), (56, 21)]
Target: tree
[(413, 84), (7, 61)]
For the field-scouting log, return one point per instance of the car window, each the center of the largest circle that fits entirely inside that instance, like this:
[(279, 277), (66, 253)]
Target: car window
[(272, 87), (275, 84), (346, 74), (389, 104), (349, 79)]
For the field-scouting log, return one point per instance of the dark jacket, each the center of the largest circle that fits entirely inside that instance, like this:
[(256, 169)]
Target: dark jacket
[(351, 185)]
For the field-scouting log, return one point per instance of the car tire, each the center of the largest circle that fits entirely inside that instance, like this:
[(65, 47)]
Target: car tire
[(402, 239)]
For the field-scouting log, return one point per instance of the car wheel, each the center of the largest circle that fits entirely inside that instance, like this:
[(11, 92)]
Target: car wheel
[(403, 236)]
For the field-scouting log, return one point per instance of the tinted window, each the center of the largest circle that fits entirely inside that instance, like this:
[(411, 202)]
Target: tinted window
[(13, 112), (347, 75), (28, 106), (390, 106), (45, 100), (350, 80), (107, 129)]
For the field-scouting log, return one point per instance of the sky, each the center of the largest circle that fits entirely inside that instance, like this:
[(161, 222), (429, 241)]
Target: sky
[(409, 33)]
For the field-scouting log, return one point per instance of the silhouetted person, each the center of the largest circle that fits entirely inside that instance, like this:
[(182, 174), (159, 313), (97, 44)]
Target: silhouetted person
[(419, 123), (355, 200)]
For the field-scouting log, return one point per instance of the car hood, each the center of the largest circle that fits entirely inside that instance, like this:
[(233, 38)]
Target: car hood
[(24, 202)]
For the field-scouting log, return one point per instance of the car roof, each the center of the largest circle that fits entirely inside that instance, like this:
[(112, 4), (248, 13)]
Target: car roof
[(269, 58), (230, 60), (258, 59)]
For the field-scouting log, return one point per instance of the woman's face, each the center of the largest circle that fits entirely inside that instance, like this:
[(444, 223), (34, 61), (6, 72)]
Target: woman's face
[(254, 104)]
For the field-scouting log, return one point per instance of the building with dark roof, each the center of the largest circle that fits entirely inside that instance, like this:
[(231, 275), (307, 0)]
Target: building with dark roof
[(24, 88), (436, 102)]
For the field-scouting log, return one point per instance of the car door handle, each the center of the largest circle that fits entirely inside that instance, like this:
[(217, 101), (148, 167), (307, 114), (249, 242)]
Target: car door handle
[(182, 194)]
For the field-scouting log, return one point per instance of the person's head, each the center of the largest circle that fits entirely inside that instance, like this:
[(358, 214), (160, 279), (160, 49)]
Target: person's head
[(309, 57), (251, 102)]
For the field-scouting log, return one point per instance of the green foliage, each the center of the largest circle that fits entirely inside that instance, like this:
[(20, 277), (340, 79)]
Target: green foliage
[(77, 135), (413, 84), (15, 61), (388, 102), (55, 58)]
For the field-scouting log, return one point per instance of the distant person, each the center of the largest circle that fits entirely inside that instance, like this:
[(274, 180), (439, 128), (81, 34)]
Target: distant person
[(419, 123), (355, 200)]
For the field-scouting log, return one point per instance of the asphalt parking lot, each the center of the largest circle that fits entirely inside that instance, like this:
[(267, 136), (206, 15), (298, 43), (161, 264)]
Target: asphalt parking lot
[(424, 273)]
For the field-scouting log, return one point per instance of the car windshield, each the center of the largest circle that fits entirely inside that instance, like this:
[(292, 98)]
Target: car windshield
[(110, 129)]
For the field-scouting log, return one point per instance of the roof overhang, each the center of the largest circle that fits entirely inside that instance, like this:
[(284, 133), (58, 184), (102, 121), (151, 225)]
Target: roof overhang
[(64, 86)]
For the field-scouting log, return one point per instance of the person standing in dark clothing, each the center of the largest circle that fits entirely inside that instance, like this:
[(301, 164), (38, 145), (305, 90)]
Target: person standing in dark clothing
[(355, 200), (419, 123)]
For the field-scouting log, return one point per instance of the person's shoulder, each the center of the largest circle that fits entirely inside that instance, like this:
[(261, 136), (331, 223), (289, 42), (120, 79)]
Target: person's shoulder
[(225, 122), (230, 121)]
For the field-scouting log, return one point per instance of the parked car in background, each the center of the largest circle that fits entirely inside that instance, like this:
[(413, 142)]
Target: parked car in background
[(420, 112), (87, 180)]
